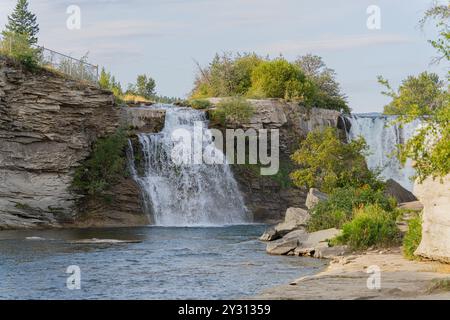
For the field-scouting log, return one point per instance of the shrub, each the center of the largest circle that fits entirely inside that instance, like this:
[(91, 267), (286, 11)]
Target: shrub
[(233, 110), (338, 208), (371, 226), (17, 46), (199, 104), (278, 79), (412, 237), (104, 167), (327, 163)]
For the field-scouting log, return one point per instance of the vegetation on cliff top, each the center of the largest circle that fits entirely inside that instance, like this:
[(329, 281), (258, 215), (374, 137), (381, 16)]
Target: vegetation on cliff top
[(306, 80)]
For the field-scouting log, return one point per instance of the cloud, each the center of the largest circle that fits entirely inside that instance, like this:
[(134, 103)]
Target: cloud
[(334, 43)]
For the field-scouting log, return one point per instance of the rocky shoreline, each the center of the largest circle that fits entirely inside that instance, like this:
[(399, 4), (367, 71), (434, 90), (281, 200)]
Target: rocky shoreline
[(347, 278)]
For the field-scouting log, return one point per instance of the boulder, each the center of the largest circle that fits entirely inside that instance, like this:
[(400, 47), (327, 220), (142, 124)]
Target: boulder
[(314, 197), (394, 189), (282, 247), (270, 235), (435, 197), (330, 252), (316, 241), (295, 218)]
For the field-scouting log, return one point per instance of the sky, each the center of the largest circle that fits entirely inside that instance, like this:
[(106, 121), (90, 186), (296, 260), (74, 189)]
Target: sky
[(162, 38)]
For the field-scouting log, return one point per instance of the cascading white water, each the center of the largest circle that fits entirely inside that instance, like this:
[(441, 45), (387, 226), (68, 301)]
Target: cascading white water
[(382, 137), (186, 194)]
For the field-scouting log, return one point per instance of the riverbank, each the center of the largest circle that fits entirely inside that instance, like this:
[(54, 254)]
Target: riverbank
[(346, 279)]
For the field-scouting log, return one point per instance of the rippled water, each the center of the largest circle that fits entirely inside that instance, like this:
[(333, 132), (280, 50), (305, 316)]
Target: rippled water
[(169, 263)]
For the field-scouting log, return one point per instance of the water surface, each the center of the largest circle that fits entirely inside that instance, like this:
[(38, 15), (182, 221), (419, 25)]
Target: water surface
[(169, 263)]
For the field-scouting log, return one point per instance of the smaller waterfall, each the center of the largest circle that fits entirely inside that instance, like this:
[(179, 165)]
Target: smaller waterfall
[(185, 194), (382, 138)]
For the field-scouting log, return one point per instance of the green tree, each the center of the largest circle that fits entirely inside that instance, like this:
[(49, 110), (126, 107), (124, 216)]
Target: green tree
[(279, 79), (326, 162), (441, 15), (327, 92), (426, 98), (145, 86), (22, 21), (416, 97), (105, 80)]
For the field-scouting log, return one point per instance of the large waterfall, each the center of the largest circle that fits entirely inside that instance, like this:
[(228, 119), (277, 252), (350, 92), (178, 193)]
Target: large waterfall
[(176, 193), (382, 137)]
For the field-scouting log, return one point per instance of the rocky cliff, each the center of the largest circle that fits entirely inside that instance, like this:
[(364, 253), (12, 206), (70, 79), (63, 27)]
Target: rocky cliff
[(48, 124), (268, 197)]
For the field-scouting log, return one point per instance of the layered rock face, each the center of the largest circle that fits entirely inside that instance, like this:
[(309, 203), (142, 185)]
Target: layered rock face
[(47, 127), (435, 197), (265, 196)]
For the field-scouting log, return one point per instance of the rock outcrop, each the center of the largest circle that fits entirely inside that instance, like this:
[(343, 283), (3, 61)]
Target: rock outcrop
[(265, 196), (143, 120), (435, 197), (48, 124)]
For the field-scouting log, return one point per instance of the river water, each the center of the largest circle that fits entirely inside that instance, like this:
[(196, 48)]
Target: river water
[(168, 263)]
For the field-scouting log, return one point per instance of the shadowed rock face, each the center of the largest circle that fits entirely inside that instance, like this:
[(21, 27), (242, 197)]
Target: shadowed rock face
[(47, 127)]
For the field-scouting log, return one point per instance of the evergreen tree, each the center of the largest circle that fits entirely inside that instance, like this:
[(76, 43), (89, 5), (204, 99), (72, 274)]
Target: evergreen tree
[(22, 21), (145, 86)]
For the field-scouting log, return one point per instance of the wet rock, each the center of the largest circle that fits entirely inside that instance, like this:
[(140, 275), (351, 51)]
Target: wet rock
[(270, 235)]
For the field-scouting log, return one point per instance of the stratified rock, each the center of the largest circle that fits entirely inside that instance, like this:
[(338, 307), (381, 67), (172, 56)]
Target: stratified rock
[(314, 197), (144, 120), (394, 189), (435, 197), (48, 125)]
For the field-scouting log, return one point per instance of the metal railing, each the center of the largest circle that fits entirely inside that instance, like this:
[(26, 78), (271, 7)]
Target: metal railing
[(78, 69), (75, 68)]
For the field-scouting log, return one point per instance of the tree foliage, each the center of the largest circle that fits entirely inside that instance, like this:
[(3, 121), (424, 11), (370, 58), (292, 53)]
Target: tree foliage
[(327, 89), (279, 78), (326, 162), (23, 22), (307, 80)]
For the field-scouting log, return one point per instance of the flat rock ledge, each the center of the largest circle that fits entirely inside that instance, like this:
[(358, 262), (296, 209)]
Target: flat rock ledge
[(347, 278)]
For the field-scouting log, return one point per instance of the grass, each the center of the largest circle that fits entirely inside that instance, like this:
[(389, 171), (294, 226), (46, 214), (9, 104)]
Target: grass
[(232, 110), (439, 285), (134, 99), (412, 237)]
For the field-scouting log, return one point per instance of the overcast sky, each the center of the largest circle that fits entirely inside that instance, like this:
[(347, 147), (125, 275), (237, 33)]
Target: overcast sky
[(162, 37)]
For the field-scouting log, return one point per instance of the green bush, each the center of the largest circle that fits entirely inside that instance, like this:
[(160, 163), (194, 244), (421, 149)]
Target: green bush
[(104, 167), (17, 46), (412, 237), (338, 208), (371, 226), (232, 110), (199, 104), (279, 79)]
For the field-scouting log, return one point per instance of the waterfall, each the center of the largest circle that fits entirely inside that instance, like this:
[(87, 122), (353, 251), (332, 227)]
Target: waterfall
[(382, 137), (177, 194)]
